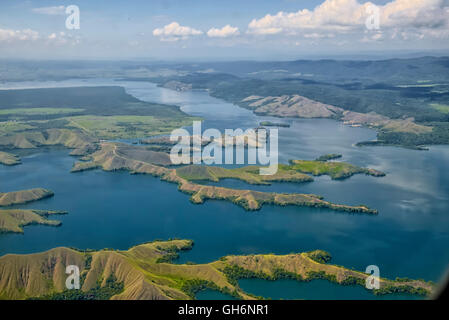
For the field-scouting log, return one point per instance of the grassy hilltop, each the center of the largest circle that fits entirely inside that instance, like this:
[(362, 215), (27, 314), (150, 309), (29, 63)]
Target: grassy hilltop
[(13, 220), (9, 159), (145, 272), (23, 196), (336, 170), (93, 112)]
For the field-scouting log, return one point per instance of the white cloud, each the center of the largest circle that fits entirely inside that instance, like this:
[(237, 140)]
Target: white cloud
[(8, 35), (62, 38), (52, 11), (429, 17), (57, 38), (27, 35), (175, 32), (226, 31), (373, 37)]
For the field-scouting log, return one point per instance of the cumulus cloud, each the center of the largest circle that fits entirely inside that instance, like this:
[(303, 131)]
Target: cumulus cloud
[(9, 35), (27, 35), (429, 17), (373, 37), (175, 32), (226, 31), (62, 38), (52, 11)]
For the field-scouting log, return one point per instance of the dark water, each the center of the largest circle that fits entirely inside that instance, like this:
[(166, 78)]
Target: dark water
[(409, 237), (313, 290), (209, 294)]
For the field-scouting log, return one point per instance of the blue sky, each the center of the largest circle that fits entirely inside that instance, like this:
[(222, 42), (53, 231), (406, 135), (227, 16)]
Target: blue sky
[(199, 29)]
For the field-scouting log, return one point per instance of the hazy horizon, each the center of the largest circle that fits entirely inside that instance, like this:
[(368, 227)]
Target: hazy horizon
[(216, 31)]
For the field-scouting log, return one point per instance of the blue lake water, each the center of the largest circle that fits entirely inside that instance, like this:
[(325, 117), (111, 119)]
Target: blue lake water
[(313, 290), (209, 294), (409, 237)]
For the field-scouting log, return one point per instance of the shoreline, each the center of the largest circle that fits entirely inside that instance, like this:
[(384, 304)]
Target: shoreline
[(181, 281)]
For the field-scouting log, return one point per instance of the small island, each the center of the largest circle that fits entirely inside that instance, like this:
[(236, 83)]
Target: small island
[(274, 124), (13, 220), (329, 156), (146, 272), (9, 159), (336, 170)]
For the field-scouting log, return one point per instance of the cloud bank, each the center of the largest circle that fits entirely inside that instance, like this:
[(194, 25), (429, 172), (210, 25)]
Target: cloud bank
[(420, 17), (52, 11), (174, 32), (8, 35)]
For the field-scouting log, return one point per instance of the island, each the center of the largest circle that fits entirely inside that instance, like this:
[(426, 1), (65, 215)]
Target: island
[(274, 124), (24, 196), (248, 174), (146, 272), (9, 159), (329, 156), (178, 86), (13, 220), (336, 170)]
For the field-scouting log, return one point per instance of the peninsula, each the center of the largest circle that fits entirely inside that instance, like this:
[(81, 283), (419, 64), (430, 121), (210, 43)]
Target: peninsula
[(329, 156), (13, 220), (336, 170), (145, 272), (118, 156), (23, 196)]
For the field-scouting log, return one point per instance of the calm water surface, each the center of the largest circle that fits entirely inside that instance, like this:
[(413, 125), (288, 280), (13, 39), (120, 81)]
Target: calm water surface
[(409, 237)]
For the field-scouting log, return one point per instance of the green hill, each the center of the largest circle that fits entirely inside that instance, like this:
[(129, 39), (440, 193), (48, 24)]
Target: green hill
[(143, 273)]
